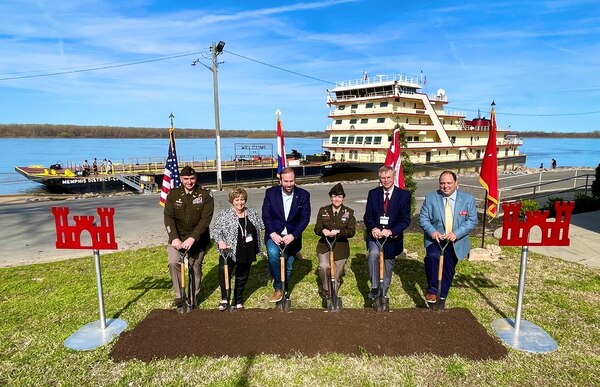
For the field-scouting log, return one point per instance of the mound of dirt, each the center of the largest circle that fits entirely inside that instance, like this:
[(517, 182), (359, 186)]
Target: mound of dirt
[(404, 332)]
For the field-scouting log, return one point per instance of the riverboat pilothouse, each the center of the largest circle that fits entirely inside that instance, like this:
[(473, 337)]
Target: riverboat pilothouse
[(366, 111)]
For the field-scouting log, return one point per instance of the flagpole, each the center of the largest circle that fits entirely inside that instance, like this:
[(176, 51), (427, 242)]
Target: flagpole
[(484, 219)]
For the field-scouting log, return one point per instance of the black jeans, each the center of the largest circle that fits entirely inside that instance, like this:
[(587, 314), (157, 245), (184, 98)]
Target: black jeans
[(242, 272)]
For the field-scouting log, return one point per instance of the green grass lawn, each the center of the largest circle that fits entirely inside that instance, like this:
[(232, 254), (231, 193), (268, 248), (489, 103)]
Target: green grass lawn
[(41, 305)]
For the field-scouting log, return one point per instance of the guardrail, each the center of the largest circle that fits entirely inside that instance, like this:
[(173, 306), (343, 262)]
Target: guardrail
[(546, 185)]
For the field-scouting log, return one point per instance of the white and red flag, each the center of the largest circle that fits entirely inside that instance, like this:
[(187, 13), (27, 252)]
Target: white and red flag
[(281, 159), (394, 159)]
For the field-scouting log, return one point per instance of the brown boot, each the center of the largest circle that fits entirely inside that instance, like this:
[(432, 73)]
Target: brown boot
[(277, 296)]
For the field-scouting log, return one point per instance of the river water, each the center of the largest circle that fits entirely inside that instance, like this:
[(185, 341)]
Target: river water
[(69, 152)]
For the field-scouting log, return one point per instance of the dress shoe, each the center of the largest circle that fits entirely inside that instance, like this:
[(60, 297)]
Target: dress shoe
[(431, 298), (277, 296), (373, 294)]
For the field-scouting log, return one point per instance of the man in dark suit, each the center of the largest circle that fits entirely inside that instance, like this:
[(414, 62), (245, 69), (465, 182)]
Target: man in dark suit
[(447, 214), (387, 215), (285, 213)]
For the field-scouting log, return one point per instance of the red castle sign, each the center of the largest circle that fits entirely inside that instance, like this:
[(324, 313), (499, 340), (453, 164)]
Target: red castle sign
[(516, 232), (69, 236)]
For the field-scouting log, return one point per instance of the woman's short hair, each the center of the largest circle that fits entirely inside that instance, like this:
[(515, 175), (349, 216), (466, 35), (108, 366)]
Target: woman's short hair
[(236, 192)]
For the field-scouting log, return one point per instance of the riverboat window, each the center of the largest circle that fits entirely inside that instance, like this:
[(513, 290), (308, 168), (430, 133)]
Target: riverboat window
[(407, 120), (369, 105), (364, 121), (353, 121), (403, 104), (453, 139), (381, 120), (355, 106), (377, 140), (341, 107), (334, 140), (350, 140), (419, 121), (383, 104), (338, 122), (359, 140), (368, 140), (342, 140)]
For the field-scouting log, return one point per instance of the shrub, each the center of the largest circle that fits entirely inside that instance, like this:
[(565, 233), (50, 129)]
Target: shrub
[(528, 205), (596, 184), (584, 203), (550, 205)]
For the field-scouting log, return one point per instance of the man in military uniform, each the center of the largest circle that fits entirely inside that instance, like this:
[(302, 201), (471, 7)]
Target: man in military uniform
[(188, 212)]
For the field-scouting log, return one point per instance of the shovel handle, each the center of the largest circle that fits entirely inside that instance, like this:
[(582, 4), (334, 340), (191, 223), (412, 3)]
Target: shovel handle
[(182, 273), (381, 266), (441, 268), (226, 274), (331, 264), (282, 268)]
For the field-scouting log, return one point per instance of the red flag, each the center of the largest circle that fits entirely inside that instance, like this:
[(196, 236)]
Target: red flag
[(394, 159), (488, 175), (171, 177), (281, 159)]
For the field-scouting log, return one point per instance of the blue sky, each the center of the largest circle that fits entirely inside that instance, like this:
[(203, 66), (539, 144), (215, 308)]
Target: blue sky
[(538, 60)]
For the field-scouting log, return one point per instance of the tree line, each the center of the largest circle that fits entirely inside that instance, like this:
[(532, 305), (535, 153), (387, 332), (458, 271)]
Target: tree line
[(77, 131)]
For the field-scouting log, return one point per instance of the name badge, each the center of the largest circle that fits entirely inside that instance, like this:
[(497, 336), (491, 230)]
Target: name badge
[(249, 238), (384, 220)]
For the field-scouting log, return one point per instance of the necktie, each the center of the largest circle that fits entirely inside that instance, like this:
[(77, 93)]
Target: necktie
[(386, 202), (448, 216)]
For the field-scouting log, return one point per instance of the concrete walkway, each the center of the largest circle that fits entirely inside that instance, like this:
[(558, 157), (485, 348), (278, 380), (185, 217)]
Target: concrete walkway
[(585, 241)]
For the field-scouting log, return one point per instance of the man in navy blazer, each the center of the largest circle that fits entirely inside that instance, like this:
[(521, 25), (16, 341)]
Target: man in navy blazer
[(285, 213), (385, 221), (434, 224)]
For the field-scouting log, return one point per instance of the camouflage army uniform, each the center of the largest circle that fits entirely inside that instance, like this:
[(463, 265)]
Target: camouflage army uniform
[(188, 215)]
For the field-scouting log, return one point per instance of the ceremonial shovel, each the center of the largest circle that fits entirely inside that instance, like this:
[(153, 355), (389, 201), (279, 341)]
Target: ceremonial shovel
[(225, 255), (439, 303), (187, 304), (284, 304), (334, 303), (381, 303)]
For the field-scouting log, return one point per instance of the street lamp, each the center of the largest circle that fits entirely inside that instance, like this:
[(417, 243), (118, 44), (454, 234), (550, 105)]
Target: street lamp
[(216, 49)]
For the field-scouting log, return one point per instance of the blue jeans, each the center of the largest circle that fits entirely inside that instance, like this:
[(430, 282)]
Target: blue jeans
[(273, 254)]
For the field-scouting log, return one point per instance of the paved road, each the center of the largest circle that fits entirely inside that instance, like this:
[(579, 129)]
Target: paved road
[(29, 232)]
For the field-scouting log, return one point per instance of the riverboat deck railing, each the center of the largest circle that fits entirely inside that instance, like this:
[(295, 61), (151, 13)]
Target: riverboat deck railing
[(378, 79)]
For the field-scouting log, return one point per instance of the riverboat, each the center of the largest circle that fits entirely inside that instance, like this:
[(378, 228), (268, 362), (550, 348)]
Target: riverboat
[(365, 112), (147, 177)]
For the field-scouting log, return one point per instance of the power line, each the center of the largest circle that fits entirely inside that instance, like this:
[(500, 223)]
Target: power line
[(102, 67), (181, 55), (280, 68), (529, 115)]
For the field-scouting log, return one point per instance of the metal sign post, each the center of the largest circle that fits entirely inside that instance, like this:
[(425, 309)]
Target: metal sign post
[(519, 334), (100, 332)]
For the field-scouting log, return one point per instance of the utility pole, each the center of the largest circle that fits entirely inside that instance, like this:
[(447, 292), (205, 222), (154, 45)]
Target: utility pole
[(216, 49)]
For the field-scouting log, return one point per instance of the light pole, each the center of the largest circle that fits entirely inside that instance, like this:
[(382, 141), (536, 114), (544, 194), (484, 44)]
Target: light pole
[(216, 49)]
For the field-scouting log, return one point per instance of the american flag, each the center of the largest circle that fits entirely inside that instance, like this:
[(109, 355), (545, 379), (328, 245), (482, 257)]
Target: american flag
[(171, 177)]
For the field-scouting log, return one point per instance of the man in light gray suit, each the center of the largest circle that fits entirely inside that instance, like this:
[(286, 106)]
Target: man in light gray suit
[(447, 216)]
